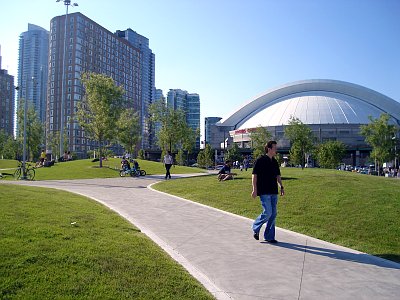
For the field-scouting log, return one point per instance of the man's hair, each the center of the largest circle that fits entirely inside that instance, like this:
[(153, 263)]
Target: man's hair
[(269, 145)]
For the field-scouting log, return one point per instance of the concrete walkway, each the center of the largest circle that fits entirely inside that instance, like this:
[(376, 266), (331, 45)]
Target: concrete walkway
[(219, 250)]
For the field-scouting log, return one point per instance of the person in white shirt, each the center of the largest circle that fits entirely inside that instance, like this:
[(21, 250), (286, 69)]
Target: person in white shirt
[(168, 161)]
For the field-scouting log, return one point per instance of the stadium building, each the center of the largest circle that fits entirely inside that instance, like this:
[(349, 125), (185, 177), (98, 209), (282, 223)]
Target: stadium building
[(333, 109)]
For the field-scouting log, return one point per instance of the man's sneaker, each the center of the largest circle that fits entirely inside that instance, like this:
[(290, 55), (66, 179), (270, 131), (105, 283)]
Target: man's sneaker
[(272, 241), (256, 236)]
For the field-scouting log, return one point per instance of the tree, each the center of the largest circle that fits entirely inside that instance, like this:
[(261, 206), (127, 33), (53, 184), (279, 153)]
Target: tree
[(174, 129), (128, 129), (11, 148), (301, 139), (204, 158), (259, 137), (3, 140), (179, 158), (189, 140), (141, 154), (53, 142), (34, 130), (100, 108), (330, 154), (379, 134), (233, 153)]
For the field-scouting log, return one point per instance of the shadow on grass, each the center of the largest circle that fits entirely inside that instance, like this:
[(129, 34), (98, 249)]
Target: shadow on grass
[(361, 258), (289, 178)]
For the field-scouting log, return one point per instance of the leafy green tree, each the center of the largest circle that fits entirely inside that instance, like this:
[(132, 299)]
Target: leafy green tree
[(53, 142), (379, 134), (174, 130), (11, 148), (259, 137), (141, 154), (180, 160), (100, 108), (204, 158), (128, 129), (301, 139), (233, 153), (34, 130), (330, 154), (3, 140), (189, 140)]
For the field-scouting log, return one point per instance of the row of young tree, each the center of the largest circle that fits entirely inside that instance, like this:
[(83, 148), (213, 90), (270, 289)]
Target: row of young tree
[(106, 117), (12, 148), (103, 114), (378, 134)]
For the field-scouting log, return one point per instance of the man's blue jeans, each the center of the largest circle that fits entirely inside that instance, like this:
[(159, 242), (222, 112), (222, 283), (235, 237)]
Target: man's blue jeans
[(269, 203)]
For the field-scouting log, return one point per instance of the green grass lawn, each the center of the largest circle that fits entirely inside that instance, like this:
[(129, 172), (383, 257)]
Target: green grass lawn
[(58, 245), (353, 210), (85, 168)]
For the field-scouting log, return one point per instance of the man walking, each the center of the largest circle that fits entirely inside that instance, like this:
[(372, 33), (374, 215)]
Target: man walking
[(168, 160), (265, 178)]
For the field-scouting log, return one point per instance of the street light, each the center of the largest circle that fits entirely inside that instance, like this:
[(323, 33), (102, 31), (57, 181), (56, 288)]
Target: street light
[(24, 177), (395, 151), (67, 3)]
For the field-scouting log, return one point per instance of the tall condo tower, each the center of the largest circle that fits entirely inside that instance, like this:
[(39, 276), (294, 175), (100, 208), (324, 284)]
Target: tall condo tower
[(148, 79), (89, 47), (33, 68), (190, 104)]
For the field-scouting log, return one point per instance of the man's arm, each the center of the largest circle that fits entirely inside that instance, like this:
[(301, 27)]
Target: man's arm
[(279, 179), (254, 184)]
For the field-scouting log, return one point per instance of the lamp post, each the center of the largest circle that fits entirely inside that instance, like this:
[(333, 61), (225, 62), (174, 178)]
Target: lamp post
[(395, 151), (67, 3), (24, 177)]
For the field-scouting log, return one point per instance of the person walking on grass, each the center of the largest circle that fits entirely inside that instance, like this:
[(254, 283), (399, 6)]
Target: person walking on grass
[(168, 161), (265, 179)]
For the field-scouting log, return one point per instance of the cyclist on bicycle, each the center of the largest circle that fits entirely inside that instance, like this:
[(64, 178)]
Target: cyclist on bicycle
[(125, 165), (135, 164)]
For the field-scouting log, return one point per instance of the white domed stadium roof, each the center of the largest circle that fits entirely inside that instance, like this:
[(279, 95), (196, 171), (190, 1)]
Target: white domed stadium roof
[(314, 102)]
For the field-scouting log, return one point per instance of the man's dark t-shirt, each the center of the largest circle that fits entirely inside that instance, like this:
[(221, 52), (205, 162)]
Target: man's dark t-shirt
[(225, 170), (267, 170)]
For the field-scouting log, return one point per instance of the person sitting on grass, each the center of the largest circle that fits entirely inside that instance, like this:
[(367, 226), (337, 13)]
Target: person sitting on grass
[(225, 172)]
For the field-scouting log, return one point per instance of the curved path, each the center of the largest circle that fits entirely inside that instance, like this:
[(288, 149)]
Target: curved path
[(218, 248)]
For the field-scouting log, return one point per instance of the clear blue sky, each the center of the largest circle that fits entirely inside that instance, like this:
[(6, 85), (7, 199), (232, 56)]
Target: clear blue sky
[(229, 51)]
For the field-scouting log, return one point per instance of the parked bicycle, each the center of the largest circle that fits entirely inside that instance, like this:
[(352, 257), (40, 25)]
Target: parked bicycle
[(30, 171)]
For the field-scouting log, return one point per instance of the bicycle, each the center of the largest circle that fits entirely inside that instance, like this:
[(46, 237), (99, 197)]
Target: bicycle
[(132, 172), (30, 171)]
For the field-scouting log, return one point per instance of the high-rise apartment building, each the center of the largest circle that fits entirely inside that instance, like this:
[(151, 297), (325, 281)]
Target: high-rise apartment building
[(33, 68), (6, 101), (88, 47), (190, 104), (176, 99), (158, 95), (148, 79), (193, 114)]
